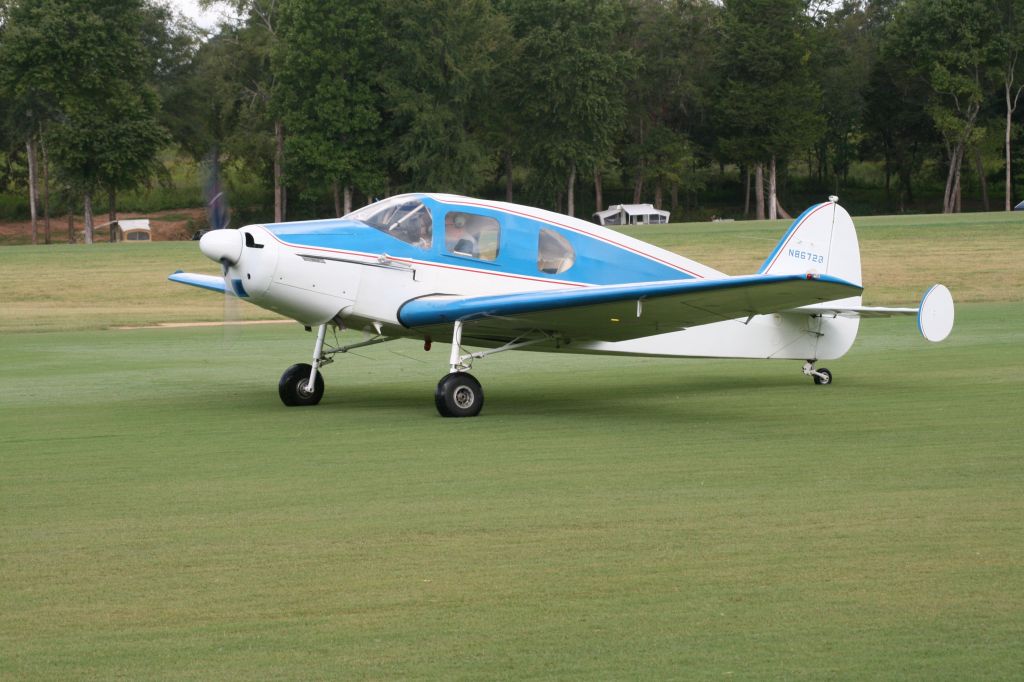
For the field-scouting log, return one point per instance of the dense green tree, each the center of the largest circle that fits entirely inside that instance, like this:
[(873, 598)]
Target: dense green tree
[(80, 68), (441, 64), (326, 64), (846, 47), (897, 124), (768, 102), (953, 46), (242, 66), (1011, 42), (569, 80), (667, 102), (460, 95), (30, 80), (173, 44)]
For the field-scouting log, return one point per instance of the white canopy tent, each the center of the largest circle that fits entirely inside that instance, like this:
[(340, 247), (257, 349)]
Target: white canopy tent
[(135, 230), (631, 214)]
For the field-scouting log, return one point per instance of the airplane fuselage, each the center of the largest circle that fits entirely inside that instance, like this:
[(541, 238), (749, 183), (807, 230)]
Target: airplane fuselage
[(356, 272)]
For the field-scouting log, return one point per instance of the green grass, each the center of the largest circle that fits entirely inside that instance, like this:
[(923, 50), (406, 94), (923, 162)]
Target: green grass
[(162, 516)]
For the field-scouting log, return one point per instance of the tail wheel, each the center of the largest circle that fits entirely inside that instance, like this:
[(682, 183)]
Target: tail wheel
[(459, 395), (822, 377), (294, 386)]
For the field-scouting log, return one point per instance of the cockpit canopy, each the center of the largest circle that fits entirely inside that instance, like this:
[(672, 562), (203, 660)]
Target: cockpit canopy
[(404, 218), (467, 232)]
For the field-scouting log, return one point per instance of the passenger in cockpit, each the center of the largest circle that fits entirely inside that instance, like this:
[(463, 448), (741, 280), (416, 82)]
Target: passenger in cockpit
[(457, 237)]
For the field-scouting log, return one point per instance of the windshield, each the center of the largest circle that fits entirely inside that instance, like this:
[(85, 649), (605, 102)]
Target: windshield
[(401, 217)]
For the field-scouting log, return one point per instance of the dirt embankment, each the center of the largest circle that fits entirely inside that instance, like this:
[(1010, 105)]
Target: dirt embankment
[(173, 225)]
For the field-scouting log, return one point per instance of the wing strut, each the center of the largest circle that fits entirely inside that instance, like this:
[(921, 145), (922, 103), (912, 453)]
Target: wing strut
[(461, 362)]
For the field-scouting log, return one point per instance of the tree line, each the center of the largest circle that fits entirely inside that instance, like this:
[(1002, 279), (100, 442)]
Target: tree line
[(528, 100)]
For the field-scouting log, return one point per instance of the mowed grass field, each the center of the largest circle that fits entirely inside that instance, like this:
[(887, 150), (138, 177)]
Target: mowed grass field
[(163, 516)]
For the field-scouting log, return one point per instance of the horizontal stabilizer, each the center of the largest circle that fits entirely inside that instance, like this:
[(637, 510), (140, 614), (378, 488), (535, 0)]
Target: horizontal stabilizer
[(935, 315), (853, 310)]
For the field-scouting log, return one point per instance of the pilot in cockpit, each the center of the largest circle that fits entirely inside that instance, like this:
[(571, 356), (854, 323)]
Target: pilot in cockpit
[(421, 230), (415, 227)]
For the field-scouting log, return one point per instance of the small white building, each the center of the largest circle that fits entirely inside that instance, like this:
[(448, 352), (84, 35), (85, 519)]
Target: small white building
[(631, 214)]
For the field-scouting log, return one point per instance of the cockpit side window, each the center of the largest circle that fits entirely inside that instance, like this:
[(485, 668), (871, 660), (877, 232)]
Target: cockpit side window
[(470, 234), (405, 219), (555, 254)]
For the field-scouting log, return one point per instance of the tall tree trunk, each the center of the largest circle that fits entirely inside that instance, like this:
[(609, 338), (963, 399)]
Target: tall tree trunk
[(571, 195), (657, 194), (638, 184), (948, 196), (598, 191), (336, 190), (782, 213), (982, 180), (888, 176), (278, 161), (956, 159), (508, 176), (112, 214), (773, 201), (1011, 105), (674, 194), (46, 195), (87, 218), (746, 192), (348, 199), (952, 179), (759, 190), (71, 224), (30, 151)]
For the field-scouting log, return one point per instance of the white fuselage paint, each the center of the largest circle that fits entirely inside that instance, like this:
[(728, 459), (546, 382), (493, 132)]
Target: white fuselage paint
[(365, 291)]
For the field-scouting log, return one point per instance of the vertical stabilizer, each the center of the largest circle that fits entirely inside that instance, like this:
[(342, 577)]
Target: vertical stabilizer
[(821, 240)]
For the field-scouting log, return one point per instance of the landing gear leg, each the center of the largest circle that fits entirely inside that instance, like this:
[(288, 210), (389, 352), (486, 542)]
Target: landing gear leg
[(458, 394), (303, 384), (822, 376)]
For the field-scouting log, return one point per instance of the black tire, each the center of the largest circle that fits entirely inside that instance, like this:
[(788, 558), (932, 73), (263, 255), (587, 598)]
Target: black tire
[(292, 386), (459, 395), (823, 380)]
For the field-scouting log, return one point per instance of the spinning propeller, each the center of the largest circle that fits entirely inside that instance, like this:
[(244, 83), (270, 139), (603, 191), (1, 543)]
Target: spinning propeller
[(221, 244)]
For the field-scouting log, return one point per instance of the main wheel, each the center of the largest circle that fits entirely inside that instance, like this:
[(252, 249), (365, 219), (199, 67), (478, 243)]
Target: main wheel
[(825, 377), (293, 386), (459, 395)]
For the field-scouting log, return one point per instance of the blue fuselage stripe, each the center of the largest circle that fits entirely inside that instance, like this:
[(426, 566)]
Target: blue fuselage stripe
[(598, 261)]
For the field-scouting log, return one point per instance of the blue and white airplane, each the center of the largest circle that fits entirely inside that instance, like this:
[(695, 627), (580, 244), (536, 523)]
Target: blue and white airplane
[(500, 276)]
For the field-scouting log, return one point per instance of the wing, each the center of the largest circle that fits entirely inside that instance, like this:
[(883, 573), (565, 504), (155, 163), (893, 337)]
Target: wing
[(620, 312), (210, 282)]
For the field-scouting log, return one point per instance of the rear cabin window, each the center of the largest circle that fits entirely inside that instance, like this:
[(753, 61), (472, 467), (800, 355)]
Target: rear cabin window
[(555, 254), (408, 220), (472, 235)]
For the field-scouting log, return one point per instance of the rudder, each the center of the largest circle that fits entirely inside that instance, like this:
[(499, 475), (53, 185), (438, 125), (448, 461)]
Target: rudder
[(822, 239)]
